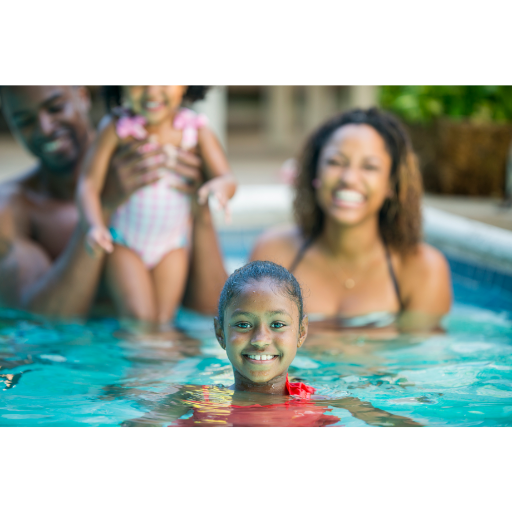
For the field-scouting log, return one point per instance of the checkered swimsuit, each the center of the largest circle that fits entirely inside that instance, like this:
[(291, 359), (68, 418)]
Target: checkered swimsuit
[(157, 218)]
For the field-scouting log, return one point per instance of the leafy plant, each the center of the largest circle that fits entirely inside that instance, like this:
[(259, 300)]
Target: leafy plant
[(424, 103)]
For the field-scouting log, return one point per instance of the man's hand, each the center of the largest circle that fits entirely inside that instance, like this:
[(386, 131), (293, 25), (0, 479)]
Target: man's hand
[(137, 164), (133, 166), (188, 166)]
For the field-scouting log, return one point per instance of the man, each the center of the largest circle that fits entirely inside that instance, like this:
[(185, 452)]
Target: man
[(44, 266)]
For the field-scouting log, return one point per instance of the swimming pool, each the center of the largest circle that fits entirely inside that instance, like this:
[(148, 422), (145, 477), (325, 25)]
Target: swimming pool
[(93, 374)]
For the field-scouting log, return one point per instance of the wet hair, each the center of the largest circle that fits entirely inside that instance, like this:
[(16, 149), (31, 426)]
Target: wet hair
[(257, 271), (113, 94), (400, 215)]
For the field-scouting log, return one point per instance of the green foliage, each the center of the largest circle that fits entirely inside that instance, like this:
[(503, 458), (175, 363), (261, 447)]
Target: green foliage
[(423, 103)]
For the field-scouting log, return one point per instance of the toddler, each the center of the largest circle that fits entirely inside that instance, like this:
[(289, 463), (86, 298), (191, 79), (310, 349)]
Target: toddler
[(147, 238)]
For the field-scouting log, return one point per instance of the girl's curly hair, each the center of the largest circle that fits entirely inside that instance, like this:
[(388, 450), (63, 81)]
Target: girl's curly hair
[(400, 215), (257, 271), (113, 94)]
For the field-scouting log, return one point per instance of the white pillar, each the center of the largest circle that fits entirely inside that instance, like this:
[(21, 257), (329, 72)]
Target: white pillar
[(279, 115), (320, 104), (214, 106), (363, 96)]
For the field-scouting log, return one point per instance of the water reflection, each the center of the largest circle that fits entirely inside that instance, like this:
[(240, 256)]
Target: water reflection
[(95, 373), (216, 406)]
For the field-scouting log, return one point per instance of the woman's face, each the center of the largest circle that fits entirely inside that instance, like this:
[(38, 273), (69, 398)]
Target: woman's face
[(261, 331), (353, 174), (154, 102)]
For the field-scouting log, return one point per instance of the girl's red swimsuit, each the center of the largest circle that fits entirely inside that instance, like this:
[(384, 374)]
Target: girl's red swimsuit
[(216, 410)]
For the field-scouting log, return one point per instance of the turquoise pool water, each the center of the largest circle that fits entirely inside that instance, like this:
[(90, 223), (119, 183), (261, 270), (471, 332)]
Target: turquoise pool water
[(94, 374)]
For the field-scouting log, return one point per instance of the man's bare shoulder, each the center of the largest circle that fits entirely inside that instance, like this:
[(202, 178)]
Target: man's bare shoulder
[(279, 245), (14, 190)]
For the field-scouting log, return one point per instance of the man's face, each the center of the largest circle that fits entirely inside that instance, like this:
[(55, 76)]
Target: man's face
[(50, 121)]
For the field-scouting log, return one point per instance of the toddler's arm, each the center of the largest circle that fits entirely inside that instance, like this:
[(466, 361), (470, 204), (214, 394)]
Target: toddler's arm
[(221, 182), (90, 185)]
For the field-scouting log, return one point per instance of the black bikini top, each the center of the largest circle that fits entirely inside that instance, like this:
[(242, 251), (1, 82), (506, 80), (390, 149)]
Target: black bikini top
[(305, 246)]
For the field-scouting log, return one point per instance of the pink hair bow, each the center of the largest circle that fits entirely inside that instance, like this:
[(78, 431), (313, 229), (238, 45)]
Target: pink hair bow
[(131, 127)]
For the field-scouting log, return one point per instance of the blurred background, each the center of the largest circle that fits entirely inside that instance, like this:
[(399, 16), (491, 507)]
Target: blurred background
[(462, 135)]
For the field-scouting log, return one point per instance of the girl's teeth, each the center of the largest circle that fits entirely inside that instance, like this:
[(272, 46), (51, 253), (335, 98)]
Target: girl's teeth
[(152, 104), (349, 196), (264, 357)]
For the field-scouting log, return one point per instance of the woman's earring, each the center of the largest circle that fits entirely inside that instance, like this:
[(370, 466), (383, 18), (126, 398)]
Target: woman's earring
[(316, 183)]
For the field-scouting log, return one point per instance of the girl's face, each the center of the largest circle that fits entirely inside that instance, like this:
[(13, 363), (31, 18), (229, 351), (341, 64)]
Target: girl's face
[(154, 102), (353, 174), (261, 331)]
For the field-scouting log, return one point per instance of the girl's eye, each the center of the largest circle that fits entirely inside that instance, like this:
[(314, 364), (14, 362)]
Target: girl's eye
[(277, 325), (243, 325)]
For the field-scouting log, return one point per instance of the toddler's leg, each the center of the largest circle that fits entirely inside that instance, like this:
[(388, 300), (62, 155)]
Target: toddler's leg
[(169, 278), (130, 284)]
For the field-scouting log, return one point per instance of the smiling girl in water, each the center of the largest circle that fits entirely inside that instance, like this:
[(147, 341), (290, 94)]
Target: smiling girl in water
[(260, 325), (147, 238)]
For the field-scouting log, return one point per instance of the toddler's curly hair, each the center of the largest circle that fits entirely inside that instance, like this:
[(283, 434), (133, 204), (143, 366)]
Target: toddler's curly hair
[(113, 94)]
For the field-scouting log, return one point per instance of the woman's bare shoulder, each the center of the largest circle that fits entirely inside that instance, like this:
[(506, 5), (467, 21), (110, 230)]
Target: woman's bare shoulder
[(425, 260), (425, 279), (279, 245)]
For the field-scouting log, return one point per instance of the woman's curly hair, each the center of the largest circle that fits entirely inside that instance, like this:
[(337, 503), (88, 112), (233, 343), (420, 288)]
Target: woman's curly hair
[(113, 94), (400, 215)]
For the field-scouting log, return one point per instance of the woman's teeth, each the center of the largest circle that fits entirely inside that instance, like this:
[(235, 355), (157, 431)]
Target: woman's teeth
[(349, 196), (262, 357)]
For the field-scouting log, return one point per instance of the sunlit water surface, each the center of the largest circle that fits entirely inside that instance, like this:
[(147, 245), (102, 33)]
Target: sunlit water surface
[(91, 374)]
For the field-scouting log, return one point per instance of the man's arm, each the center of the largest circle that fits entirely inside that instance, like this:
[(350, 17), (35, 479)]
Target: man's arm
[(65, 287), (207, 274), (30, 280)]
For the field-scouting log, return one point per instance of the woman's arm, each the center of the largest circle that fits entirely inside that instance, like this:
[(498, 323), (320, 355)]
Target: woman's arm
[(425, 282)]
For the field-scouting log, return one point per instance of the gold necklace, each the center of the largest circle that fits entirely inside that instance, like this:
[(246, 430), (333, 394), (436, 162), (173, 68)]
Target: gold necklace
[(348, 283)]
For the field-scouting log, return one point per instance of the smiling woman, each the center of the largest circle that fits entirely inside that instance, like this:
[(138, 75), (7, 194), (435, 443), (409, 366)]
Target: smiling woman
[(357, 247)]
